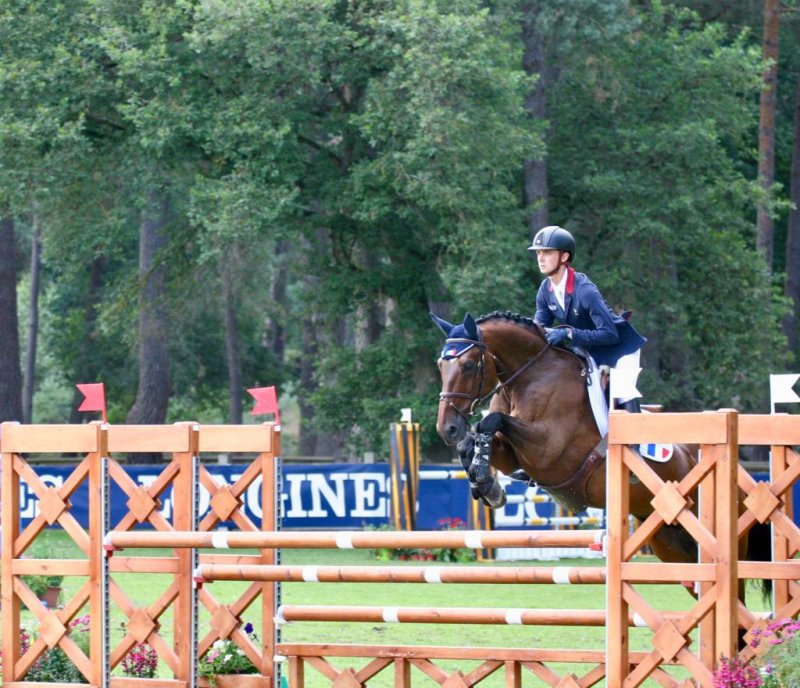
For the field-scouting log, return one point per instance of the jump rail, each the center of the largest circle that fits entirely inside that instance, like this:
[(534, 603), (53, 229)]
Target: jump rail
[(471, 539), (401, 574), (456, 615)]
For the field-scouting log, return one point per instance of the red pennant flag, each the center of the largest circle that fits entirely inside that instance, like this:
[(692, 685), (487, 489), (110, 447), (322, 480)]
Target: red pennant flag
[(94, 398), (266, 402)]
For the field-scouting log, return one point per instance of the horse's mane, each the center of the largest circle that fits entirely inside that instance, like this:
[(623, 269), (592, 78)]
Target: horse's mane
[(508, 316)]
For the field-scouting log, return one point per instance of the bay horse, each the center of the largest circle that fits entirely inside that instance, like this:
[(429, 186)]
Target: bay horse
[(540, 424)]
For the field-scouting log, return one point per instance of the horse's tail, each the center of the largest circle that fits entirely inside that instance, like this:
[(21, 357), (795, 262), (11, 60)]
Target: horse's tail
[(759, 548)]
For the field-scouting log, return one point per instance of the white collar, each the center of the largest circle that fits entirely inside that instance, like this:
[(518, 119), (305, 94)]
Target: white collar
[(559, 290)]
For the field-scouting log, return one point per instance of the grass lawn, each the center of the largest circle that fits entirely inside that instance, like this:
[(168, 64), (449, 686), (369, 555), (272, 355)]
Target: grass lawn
[(145, 588)]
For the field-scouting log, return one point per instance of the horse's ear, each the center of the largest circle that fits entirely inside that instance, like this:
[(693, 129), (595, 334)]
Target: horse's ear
[(443, 325), (471, 327)]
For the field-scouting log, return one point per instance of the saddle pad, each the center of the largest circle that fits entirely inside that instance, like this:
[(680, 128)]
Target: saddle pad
[(597, 400), (656, 452)]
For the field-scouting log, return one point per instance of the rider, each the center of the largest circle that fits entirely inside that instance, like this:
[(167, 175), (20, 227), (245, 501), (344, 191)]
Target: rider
[(575, 301)]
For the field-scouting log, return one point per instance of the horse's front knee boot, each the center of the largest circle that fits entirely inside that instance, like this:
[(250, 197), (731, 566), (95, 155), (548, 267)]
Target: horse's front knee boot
[(482, 480), (466, 450)]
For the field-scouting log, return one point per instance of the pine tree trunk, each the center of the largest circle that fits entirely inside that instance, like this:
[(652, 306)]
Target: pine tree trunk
[(232, 345), (276, 330), (314, 442), (766, 127), (33, 324), (152, 397), (535, 170), (792, 320), (10, 373), (88, 370), (308, 436)]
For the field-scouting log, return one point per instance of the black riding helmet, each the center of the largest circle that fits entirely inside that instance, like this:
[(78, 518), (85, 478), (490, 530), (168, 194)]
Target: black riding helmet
[(554, 237)]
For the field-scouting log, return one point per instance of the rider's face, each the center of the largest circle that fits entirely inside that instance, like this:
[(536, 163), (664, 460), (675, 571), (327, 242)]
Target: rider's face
[(549, 260)]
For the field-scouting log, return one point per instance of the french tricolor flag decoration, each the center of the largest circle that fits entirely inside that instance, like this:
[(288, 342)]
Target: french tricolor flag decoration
[(656, 452)]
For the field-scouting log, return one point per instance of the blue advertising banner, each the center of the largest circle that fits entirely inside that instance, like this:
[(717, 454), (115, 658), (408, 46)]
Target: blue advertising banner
[(313, 496)]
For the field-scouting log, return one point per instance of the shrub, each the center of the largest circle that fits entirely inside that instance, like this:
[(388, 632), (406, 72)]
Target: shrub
[(226, 657), (446, 554), (776, 665), (54, 666), (141, 661)]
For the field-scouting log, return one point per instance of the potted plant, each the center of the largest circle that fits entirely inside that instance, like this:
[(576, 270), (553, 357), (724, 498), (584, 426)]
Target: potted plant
[(226, 665), (46, 588), (141, 661), (54, 666)]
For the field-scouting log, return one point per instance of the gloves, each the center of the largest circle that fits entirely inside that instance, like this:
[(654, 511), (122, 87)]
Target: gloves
[(556, 335)]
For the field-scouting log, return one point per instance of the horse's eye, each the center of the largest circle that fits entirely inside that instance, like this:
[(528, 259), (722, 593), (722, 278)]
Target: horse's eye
[(469, 366)]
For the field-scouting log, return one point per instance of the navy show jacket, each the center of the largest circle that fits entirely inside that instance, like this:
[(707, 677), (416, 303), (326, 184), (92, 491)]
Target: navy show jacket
[(604, 334)]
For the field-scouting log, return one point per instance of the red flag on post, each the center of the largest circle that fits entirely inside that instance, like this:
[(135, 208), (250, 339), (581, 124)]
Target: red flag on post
[(266, 402), (94, 398)]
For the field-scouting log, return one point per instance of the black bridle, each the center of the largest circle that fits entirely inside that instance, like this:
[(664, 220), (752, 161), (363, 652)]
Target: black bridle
[(475, 398)]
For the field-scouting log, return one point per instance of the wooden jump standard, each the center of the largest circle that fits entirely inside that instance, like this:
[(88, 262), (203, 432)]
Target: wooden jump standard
[(716, 528)]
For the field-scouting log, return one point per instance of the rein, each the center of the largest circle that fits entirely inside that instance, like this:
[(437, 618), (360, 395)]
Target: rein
[(476, 400)]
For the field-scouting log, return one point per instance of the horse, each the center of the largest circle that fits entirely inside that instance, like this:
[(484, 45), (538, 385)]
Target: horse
[(540, 425)]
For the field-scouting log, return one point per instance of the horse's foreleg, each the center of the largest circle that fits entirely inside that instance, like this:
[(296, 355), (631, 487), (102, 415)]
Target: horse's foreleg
[(466, 453), (482, 480), (466, 450)]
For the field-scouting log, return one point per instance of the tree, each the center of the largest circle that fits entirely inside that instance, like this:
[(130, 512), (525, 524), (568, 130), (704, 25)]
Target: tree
[(152, 397), (660, 205), (792, 290), (10, 374), (535, 63), (766, 128), (33, 324)]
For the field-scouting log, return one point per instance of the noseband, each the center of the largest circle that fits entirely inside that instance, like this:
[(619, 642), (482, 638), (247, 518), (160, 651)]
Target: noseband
[(475, 397), (480, 376)]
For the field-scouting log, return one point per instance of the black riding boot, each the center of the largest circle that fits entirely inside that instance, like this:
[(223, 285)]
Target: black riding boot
[(631, 406)]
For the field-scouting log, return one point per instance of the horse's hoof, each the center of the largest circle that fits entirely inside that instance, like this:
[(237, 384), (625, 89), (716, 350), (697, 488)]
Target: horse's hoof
[(495, 497), (523, 476)]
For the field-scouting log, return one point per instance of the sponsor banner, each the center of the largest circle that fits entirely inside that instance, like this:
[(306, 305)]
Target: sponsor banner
[(313, 496)]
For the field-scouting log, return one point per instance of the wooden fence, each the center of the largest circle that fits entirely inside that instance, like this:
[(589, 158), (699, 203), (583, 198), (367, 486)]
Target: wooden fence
[(730, 503)]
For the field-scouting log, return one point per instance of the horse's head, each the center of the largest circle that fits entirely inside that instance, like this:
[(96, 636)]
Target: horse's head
[(468, 374)]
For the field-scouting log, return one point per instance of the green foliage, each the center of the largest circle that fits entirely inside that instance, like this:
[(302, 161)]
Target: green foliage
[(781, 660), (54, 666), (338, 169), (372, 386), (661, 207), (451, 555), (226, 657), (40, 584)]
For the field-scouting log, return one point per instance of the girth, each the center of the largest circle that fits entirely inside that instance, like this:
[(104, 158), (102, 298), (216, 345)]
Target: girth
[(572, 492)]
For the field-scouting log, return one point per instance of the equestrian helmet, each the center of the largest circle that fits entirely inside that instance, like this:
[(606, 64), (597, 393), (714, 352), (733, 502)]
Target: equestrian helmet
[(554, 237)]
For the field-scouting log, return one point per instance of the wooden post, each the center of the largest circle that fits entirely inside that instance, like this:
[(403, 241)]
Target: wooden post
[(727, 572), (617, 476), (97, 630), (10, 527), (269, 522), (780, 543), (709, 454), (183, 509)]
